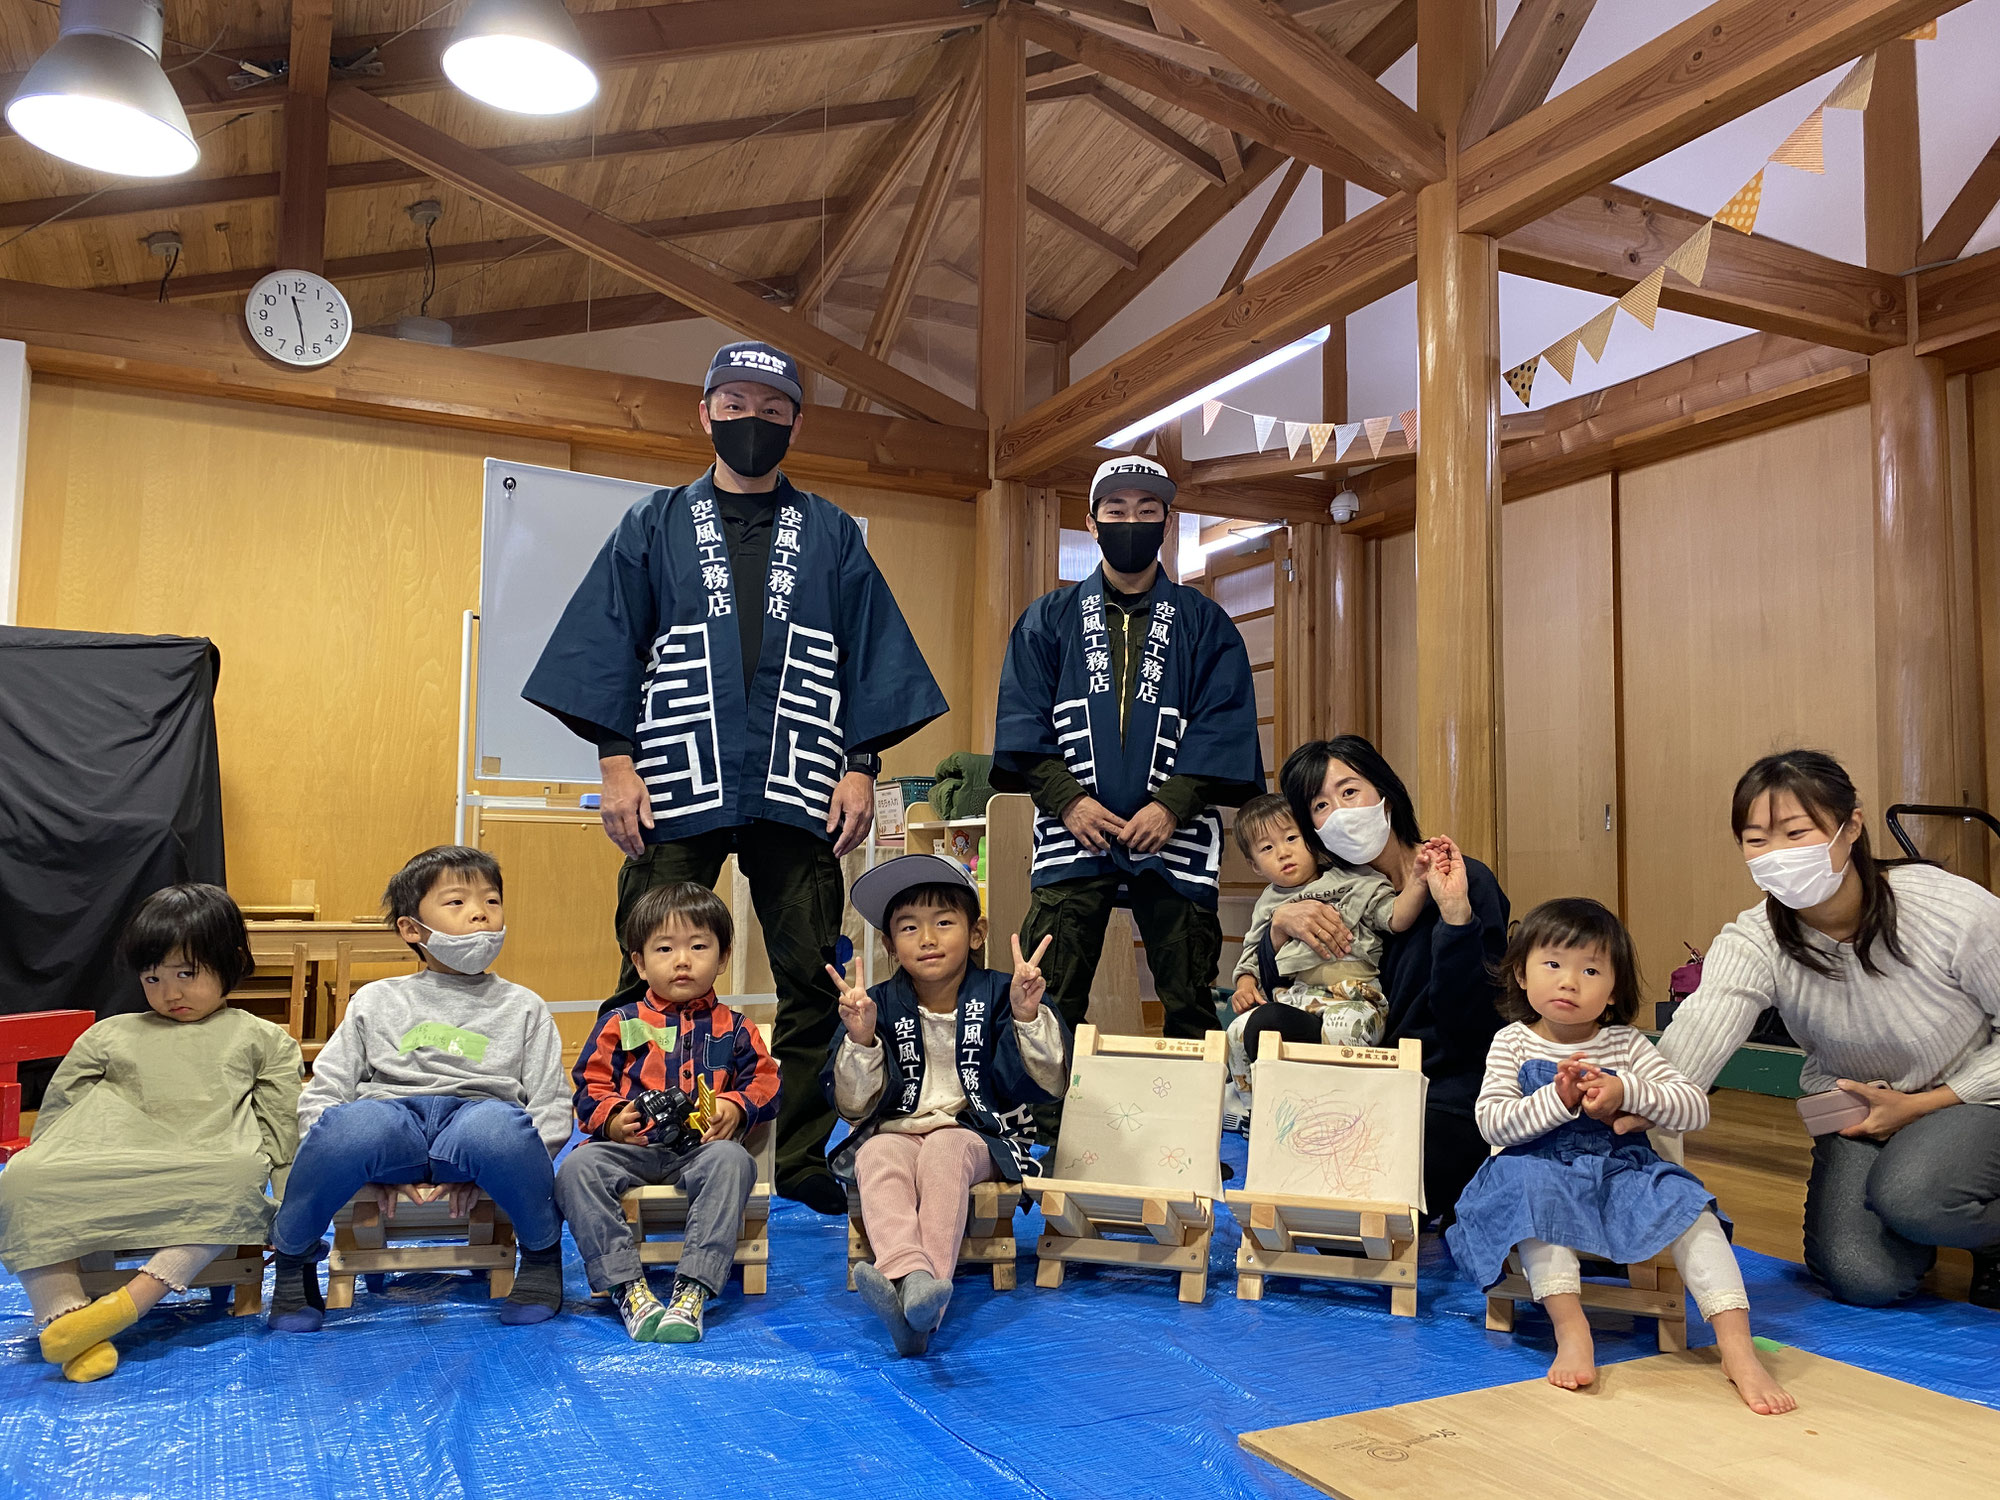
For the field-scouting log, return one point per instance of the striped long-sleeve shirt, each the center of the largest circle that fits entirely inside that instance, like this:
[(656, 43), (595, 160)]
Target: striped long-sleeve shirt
[(1654, 1088), (652, 1043), (1914, 1026)]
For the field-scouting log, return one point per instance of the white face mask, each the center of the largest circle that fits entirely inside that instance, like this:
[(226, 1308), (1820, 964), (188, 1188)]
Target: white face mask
[(1356, 834), (1800, 877), (466, 952)]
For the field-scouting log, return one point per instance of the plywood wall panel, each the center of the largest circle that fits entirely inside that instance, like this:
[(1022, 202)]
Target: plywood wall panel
[(1746, 584), (329, 558), (1559, 677)]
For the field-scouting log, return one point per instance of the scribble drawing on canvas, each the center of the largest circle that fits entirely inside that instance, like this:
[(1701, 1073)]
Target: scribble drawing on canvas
[(1341, 1143), (1125, 1117)]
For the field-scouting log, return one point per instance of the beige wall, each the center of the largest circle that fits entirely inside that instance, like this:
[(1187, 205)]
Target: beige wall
[(331, 559)]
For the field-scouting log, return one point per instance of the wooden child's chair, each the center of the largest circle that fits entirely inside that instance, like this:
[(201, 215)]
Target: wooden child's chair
[(236, 1276), (988, 1240), (663, 1211), (1651, 1289), (367, 1244)]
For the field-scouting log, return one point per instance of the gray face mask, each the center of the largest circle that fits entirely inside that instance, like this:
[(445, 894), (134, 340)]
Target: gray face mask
[(467, 952)]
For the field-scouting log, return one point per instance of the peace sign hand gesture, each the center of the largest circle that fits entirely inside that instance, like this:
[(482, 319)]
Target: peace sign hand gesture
[(857, 1011), (1025, 994)]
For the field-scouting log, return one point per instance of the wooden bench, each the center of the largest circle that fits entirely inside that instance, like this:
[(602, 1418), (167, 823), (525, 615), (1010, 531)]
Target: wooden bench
[(236, 1276), (365, 1243), (988, 1241), (663, 1211), (1650, 1289)]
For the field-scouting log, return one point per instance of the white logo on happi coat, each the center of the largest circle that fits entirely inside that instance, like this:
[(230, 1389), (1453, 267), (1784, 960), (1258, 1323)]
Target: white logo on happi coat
[(807, 744), (676, 731)]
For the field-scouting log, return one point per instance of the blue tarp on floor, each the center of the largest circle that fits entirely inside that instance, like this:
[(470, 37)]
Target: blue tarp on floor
[(1107, 1387)]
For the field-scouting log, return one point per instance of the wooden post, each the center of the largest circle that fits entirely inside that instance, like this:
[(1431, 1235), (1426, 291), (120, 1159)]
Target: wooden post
[(999, 589), (1333, 353), (1346, 667), (1458, 472), (302, 183), (1915, 732)]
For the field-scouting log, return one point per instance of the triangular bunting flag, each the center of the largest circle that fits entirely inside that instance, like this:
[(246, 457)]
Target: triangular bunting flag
[(1264, 426), (1344, 434), (1377, 429), (1318, 433), (1643, 301), (1295, 434), (1408, 422), (1805, 148), (1852, 91), (1690, 261), (1597, 333), (1740, 212), (1210, 410), (1924, 33), (1521, 379), (1561, 356)]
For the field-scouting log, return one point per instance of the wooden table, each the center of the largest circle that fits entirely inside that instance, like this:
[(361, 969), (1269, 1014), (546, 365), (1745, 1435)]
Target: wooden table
[(302, 947)]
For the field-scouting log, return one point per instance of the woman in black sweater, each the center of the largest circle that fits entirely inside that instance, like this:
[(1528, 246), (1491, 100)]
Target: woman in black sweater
[(1438, 976)]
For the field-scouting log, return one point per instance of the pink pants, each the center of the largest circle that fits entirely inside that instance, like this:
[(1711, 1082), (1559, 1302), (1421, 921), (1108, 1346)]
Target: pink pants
[(913, 1197)]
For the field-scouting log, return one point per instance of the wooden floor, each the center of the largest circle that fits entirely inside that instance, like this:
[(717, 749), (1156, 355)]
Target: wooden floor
[(1755, 1156)]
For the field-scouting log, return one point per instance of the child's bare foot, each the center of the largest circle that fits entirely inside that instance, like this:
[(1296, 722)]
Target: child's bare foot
[(1755, 1384), (1576, 1354)]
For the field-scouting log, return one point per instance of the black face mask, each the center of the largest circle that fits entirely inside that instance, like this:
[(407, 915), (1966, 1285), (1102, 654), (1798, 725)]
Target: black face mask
[(1129, 546), (752, 446)]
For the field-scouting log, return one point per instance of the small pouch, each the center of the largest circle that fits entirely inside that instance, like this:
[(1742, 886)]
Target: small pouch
[(1836, 1109)]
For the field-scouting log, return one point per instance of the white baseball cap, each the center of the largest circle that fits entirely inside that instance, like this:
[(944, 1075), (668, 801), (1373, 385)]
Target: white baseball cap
[(1131, 472), (876, 891)]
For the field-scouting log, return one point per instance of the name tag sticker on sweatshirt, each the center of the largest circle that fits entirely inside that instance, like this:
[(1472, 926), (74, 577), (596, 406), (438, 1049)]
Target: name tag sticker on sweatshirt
[(633, 1034), (452, 1039)]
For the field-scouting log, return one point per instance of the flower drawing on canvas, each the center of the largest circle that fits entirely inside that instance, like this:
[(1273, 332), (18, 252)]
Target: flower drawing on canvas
[(1175, 1159), (1125, 1117), (1162, 1088)]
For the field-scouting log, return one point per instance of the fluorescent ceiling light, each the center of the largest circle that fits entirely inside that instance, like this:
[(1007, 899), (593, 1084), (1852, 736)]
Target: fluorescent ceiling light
[(521, 55), (1209, 392), (98, 97)]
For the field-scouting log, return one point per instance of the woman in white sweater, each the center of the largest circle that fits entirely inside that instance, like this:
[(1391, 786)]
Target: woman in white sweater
[(1889, 978)]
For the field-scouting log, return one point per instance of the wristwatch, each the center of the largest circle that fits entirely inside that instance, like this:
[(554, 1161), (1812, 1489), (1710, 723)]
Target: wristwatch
[(867, 765)]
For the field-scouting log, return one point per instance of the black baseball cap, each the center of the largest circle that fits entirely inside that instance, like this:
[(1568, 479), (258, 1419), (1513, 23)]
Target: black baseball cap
[(1131, 473), (750, 360)]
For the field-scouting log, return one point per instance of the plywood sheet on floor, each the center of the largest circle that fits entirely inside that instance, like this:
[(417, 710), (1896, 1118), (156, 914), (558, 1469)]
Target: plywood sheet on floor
[(1672, 1418)]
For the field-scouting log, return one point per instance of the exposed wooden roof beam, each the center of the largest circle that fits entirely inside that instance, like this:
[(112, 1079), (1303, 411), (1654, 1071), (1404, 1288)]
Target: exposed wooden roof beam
[(1524, 66), (1958, 303), (1372, 254), (1965, 213), (1227, 151), (1607, 240), (882, 174), (1135, 24), (647, 261), (1223, 103), (918, 230), (1147, 125), (199, 192), (1394, 143), (1712, 67), (639, 37), (1068, 219), (206, 351), (487, 252), (1747, 386), (1260, 233), (851, 298), (1376, 52), (302, 182)]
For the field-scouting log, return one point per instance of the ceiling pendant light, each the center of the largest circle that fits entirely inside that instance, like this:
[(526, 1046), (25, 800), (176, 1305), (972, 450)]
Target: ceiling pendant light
[(520, 55), (98, 97)]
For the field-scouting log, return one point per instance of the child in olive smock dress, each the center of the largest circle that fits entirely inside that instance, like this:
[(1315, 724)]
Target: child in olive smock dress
[(159, 1128)]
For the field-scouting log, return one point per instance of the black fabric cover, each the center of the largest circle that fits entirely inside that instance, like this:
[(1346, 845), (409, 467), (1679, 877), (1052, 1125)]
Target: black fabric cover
[(109, 790)]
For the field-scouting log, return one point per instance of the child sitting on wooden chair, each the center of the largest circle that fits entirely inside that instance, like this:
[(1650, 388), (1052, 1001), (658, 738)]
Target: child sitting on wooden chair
[(1567, 1100), (1343, 993), (973, 1049), (679, 1036), (442, 1083), (159, 1128)]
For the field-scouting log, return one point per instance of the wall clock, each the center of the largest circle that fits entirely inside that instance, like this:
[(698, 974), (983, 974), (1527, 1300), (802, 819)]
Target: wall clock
[(298, 318)]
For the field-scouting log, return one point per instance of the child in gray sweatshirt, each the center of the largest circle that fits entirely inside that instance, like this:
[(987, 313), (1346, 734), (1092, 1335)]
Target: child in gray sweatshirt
[(437, 1083)]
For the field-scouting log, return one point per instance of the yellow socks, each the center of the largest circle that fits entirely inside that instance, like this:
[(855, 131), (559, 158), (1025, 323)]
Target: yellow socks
[(74, 1333), (96, 1362)]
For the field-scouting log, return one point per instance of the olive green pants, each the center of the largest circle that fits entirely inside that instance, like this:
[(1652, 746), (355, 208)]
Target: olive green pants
[(1183, 945), (796, 888)]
